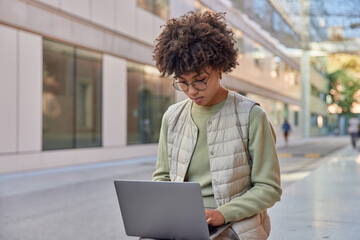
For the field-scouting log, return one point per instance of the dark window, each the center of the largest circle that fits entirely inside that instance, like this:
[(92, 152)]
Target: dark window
[(71, 97), (314, 120), (286, 111), (149, 96), (296, 118), (314, 91), (157, 7)]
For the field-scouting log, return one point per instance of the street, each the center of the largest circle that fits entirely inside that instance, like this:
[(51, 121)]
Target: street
[(79, 202)]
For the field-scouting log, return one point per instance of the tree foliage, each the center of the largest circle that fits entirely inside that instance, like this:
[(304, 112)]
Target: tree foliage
[(343, 87)]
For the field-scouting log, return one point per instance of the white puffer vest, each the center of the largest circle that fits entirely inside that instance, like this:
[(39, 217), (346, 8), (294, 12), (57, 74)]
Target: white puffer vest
[(230, 163)]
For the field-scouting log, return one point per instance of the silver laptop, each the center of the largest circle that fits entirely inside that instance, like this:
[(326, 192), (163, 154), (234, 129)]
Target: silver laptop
[(163, 210)]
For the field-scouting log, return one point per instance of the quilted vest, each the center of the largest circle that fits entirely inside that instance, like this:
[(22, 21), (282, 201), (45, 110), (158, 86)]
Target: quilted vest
[(230, 163)]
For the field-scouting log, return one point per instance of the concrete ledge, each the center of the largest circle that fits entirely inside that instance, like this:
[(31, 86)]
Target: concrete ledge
[(29, 161)]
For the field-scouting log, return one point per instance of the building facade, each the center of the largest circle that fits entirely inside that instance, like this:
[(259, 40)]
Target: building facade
[(78, 83)]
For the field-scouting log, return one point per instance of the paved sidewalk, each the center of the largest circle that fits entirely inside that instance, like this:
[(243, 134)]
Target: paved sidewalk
[(76, 202), (79, 202), (324, 205)]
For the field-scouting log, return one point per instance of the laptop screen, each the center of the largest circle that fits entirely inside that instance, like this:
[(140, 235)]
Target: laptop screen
[(165, 210)]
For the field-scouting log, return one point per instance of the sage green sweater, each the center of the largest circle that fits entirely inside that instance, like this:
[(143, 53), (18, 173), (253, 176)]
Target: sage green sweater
[(265, 174)]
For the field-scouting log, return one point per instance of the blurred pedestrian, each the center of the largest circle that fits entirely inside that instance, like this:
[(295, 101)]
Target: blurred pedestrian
[(353, 130), (286, 130), (216, 137)]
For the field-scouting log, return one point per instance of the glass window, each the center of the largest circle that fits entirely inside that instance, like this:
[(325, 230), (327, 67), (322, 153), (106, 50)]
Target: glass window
[(135, 78), (157, 7), (238, 36), (146, 4), (149, 96), (71, 97), (275, 66), (58, 95), (291, 76), (88, 98), (296, 118), (314, 118), (286, 111), (201, 7), (162, 8), (259, 55), (277, 22), (260, 8)]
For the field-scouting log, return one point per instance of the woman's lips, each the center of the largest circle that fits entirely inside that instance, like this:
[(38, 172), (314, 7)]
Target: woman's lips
[(197, 99)]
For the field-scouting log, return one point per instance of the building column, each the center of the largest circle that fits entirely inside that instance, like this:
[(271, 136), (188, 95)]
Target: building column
[(8, 89), (29, 92), (114, 101), (305, 67)]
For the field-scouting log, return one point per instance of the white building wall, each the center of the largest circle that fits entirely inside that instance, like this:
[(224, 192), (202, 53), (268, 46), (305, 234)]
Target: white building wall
[(126, 17), (30, 92), (81, 8), (103, 12), (317, 106), (178, 8), (8, 89), (157, 27), (319, 81), (53, 3), (145, 26), (114, 101), (122, 16)]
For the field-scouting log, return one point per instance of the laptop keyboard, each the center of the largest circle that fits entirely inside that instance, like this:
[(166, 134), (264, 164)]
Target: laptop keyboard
[(212, 229)]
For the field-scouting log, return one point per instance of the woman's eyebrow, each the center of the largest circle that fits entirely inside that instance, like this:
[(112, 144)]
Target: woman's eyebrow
[(197, 75)]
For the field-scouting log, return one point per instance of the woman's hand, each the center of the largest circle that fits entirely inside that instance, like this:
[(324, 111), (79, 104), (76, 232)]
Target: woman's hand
[(214, 217)]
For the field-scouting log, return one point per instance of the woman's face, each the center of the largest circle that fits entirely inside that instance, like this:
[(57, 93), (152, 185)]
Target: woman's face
[(214, 92)]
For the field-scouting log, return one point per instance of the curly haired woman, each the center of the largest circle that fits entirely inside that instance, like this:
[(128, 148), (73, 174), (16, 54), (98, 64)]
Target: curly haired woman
[(216, 137)]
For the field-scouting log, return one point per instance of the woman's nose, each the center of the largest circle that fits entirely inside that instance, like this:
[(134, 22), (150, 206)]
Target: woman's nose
[(192, 90)]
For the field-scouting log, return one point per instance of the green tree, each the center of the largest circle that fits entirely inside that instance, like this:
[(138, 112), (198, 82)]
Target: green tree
[(342, 89)]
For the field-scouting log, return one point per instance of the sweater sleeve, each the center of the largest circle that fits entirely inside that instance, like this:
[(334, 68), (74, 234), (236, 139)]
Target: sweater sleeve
[(265, 173), (162, 165)]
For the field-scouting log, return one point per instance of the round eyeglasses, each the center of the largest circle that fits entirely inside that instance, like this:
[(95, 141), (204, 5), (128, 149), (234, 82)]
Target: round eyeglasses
[(198, 85)]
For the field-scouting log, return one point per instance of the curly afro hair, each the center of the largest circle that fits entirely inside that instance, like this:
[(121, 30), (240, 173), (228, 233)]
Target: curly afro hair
[(195, 41)]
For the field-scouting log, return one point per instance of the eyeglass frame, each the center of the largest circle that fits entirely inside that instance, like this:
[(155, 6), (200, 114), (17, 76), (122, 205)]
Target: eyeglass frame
[(192, 84)]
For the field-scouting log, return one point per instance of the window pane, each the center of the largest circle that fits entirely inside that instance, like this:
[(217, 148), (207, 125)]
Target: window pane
[(149, 96), (167, 97), (275, 66), (259, 55), (162, 8), (296, 118), (58, 95), (88, 99), (135, 78), (238, 36), (153, 110), (147, 5), (157, 7), (286, 111)]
